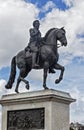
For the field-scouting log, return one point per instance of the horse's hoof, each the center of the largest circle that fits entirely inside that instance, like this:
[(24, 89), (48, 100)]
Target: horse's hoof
[(45, 87), (8, 86), (27, 86), (57, 81), (16, 91)]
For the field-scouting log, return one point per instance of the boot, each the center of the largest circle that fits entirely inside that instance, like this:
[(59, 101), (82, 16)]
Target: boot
[(34, 64)]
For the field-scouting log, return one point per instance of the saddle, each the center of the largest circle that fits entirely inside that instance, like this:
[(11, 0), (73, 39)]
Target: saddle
[(29, 51), (33, 49)]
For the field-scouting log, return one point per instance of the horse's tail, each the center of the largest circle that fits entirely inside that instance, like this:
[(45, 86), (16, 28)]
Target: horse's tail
[(12, 74)]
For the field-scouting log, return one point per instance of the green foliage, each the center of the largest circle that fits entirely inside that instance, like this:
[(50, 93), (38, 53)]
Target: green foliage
[(71, 128)]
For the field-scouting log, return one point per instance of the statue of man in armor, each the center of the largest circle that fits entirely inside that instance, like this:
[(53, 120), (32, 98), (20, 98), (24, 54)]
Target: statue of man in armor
[(35, 40)]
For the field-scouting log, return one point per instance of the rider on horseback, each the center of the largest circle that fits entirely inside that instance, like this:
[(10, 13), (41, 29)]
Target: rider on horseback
[(34, 43), (35, 39)]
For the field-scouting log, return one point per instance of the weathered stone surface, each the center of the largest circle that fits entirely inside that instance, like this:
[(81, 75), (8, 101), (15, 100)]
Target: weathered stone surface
[(55, 104)]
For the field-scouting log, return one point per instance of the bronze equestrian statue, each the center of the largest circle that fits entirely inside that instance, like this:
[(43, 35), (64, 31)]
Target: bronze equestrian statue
[(41, 53)]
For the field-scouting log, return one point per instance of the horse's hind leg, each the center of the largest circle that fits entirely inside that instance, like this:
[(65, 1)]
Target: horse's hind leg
[(22, 75), (59, 67), (25, 81)]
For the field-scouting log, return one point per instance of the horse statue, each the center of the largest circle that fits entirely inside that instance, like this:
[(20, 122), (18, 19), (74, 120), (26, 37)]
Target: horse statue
[(48, 57)]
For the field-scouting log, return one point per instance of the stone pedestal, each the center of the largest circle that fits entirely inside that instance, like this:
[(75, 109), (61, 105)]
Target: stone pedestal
[(38, 110)]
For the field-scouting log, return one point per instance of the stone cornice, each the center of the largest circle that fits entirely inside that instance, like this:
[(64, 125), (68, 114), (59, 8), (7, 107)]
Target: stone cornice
[(37, 96)]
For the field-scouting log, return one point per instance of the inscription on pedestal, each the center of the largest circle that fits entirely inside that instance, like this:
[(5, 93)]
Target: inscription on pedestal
[(29, 119)]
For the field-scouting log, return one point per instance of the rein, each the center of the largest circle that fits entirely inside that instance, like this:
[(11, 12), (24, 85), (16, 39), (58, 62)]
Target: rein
[(49, 44), (44, 43)]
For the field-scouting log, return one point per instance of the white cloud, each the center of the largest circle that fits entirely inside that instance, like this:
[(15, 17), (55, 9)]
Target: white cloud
[(16, 17), (72, 19), (47, 6), (73, 2), (75, 93), (2, 84), (68, 2)]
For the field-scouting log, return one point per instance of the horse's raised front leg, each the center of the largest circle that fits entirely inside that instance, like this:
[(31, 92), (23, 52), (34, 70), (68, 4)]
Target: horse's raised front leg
[(46, 67), (59, 67)]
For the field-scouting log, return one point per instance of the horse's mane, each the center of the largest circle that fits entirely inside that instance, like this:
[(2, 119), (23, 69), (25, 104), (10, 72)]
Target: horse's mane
[(48, 32)]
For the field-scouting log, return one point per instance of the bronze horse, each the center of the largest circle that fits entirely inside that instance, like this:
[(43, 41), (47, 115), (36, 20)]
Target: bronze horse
[(48, 57)]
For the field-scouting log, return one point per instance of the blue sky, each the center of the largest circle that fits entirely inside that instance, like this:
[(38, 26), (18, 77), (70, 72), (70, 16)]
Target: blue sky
[(59, 3), (40, 3), (16, 18)]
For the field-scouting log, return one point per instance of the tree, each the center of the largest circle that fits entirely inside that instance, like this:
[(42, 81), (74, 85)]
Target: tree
[(71, 128)]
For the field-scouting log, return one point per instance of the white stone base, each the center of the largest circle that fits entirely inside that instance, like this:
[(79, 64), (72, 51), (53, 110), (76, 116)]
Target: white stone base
[(55, 103)]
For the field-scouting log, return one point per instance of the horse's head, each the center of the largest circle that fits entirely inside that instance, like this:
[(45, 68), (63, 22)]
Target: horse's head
[(61, 36)]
